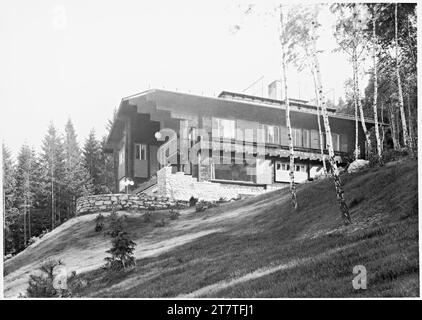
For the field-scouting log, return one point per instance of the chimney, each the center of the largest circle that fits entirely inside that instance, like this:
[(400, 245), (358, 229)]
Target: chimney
[(274, 90)]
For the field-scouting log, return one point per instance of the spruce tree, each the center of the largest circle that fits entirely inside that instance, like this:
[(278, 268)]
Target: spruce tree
[(77, 181), (11, 216), (92, 160), (52, 157)]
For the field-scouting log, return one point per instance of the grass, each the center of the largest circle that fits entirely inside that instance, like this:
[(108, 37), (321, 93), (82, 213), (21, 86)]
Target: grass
[(261, 247)]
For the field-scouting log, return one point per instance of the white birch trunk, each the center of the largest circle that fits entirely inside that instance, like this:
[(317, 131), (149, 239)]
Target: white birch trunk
[(289, 128), (393, 128), (334, 170), (374, 59), (406, 140), (357, 153), (357, 97), (321, 145)]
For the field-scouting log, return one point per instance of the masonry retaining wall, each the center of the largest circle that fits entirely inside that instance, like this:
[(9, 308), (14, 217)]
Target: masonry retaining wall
[(105, 202), (180, 186)]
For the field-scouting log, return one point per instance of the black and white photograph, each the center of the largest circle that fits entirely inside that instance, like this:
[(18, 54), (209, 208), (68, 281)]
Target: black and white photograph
[(194, 150)]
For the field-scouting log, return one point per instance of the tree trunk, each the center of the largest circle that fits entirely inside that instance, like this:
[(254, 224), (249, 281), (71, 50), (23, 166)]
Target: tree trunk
[(321, 145), (357, 98), (382, 127), (409, 116), (374, 105), (357, 153), (406, 140), (393, 127), (289, 128), (24, 224), (334, 170)]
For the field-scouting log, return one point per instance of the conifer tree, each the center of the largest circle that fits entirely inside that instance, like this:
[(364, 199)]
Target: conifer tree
[(52, 158), (92, 160), (76, 180)]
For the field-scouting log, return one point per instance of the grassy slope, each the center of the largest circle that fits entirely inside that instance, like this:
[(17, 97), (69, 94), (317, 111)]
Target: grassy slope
[(260, 247)]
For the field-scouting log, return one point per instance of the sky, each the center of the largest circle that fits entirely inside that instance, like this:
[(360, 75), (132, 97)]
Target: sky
[(77, 59)]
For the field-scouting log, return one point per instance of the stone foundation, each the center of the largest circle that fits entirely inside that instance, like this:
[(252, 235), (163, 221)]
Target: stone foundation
[(105, 202), (179, 186)]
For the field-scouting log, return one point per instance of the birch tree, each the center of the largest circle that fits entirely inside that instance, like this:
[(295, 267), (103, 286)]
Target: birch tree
[(350, 37), (283, 40), (321, 137), (333, 165), (406, 139), (375, 75)]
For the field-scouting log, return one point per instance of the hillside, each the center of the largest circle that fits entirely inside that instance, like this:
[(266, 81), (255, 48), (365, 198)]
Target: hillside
[(257, 247)]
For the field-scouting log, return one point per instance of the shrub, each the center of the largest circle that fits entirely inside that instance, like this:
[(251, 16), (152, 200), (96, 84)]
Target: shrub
[(147, 216), (174, 214), (193, 201), (117, 224), (47, 284), (99, 223), (201, 206), (121, 253)]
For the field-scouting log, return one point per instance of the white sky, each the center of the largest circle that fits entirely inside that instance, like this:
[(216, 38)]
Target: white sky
[(82, 65)]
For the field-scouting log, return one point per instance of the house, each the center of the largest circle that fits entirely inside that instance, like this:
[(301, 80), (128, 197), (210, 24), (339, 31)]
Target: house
[(233, 140)]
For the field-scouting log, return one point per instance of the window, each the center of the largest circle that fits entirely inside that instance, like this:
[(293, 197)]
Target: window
[(300, 168), (336, 141), (225, 128), (122, 156), (285, 167), (297, 137), (140, 151), (271, 134), (306, 139)]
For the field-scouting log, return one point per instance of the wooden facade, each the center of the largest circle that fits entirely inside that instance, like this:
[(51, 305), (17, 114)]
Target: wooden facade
[(223, 135)]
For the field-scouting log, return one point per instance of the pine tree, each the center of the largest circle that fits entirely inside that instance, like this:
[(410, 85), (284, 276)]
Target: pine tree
[(52, 158), (92, 160), (77, 181)]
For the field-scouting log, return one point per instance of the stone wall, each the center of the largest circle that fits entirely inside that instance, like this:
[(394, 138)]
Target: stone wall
[(105, 202), (180, 186)]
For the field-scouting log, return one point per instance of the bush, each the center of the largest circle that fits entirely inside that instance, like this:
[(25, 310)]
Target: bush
[(174, 214), (201, 206), (117, 224), (47, 284), (193, 201), (147, 216), (121, 253), (99, 223)]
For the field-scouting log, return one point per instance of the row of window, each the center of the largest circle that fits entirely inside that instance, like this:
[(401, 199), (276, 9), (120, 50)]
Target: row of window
[(286, 167), (305, 138)]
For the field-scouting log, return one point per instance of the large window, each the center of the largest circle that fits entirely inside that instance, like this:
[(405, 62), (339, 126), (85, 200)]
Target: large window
[(306, 138), (122, 156), (271, 134), (297, 137), (225, 128), (336, 141), (140, 151)]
